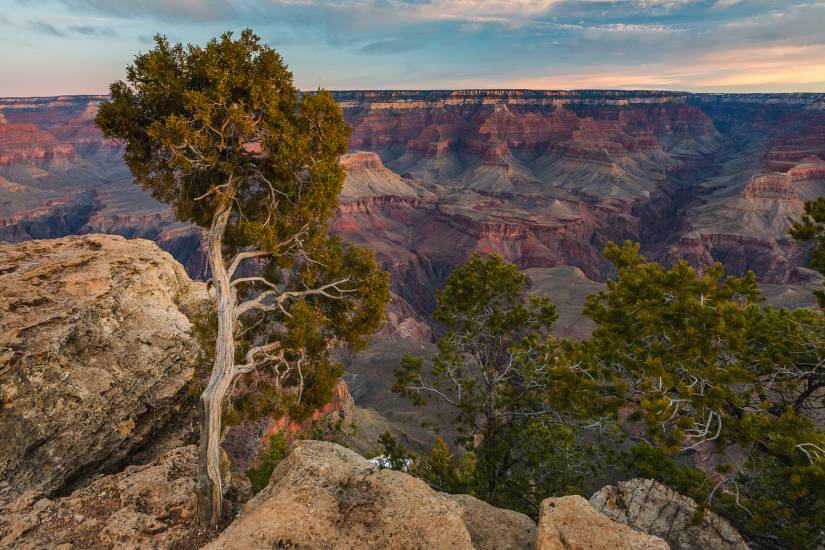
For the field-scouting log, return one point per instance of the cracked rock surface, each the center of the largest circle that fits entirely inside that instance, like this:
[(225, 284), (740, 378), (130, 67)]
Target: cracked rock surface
[(95, 356), (323, 496), (649, 506)]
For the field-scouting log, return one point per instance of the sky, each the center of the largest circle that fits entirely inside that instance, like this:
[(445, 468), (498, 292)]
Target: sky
[(53, 47)]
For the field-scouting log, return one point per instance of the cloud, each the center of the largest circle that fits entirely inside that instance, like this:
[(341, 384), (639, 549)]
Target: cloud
[(389, 46), (195, 10), (45, 28), (91, 30), (764, 68), (85, 30)]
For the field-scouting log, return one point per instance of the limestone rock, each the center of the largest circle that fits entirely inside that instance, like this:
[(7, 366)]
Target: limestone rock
[(654, 508), (569, 523), (95, 355), (149, 506), (495, 528), (323, 496)]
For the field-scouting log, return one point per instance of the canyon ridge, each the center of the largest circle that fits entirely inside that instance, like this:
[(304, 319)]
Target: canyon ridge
[(543, 178)]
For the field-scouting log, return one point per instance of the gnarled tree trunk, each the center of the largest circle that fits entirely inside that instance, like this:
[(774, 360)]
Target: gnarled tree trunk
[(210, 492)]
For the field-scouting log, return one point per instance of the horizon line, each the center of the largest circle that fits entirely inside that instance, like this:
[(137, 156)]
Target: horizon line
[(446, 90)]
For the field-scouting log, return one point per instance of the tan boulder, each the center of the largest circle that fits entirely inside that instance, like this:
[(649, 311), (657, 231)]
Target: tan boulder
[(570, 523), (653, 508), (323, 496), (151, 506), (494, 528), (96, 353)]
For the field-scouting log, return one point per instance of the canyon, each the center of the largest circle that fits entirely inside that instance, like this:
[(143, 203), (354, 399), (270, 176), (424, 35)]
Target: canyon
[(544, 178)]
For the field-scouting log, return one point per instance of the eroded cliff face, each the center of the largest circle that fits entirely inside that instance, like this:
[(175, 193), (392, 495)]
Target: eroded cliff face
[(548, 178), (59, 176), (542, 178)]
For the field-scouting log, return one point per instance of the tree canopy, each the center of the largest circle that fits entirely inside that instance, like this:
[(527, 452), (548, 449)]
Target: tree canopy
[(720, 378), (716, 394), (221, 134), (517, 400)]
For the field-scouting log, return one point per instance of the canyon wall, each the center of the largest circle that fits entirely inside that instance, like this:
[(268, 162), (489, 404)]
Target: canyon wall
[(543, 178)]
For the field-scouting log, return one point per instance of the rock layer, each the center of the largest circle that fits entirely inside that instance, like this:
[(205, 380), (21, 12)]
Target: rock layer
[(543, 178), (95, 355)]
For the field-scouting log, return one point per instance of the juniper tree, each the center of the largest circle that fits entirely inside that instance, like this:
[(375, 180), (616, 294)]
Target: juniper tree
[(221, 134), (811, 228), (707, 367), (518, 403)]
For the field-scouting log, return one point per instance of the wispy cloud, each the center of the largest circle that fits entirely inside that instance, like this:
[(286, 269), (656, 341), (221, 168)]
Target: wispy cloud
[(389, 46), (92, 30), (197, 10), (675, 44), (45, 28)]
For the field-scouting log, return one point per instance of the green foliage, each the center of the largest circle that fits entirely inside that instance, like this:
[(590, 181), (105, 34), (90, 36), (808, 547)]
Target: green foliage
[(189, 116), (274, 451), (397, 456), (444, 473), (516, 396), (221, 134), (811, 228), (707, 368), (691, 354), (675, 335)]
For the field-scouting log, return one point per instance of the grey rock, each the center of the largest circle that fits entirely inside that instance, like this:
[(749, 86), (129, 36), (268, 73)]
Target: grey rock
[(649, 506)]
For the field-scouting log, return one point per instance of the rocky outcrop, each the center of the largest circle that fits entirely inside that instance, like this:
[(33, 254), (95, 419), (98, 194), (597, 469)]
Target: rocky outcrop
[(368, 177), (494, 528), (151, 506), (648, 506), (569, 523), (402, 321), (96, 352), (323, 496)]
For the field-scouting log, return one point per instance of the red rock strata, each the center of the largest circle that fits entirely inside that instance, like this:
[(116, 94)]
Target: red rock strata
[(542, 178)]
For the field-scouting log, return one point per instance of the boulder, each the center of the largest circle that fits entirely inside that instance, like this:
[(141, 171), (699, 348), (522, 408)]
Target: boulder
[(96, 354), (569, 523), (495, 528), (150, 506), (323, 496), (648, 506)]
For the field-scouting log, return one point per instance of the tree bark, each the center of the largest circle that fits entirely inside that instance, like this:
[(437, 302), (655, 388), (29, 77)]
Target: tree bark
[(210, 491)]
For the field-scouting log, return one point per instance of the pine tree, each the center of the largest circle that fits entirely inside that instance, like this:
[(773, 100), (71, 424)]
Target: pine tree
[(518, 401), (708, 368)]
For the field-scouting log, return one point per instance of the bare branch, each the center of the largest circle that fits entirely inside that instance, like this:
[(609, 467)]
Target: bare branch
[(259, 303), (241, 256), (251, 363)]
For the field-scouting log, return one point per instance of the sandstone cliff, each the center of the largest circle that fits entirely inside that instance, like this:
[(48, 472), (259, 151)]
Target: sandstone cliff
[(96, 352)]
